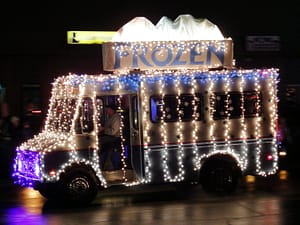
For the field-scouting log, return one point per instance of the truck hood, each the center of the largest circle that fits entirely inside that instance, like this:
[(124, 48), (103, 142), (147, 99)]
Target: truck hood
[(46, 141)]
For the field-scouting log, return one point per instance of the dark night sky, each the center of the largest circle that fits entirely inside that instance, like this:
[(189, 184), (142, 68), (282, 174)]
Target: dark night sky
[(40, 27), (256, 17), (111, 15), (35, 28)]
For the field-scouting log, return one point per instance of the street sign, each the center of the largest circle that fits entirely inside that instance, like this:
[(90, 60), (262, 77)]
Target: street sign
[(263, 43), (89, 37)]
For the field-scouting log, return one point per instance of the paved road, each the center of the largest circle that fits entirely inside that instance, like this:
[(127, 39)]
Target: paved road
[(276, 202)]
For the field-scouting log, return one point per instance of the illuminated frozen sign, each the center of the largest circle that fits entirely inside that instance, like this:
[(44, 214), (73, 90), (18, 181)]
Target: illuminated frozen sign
[(187, 42), (153, 55)]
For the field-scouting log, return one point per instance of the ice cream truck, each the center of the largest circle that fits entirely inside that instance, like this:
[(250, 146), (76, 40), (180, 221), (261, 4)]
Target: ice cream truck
[(188, 115)]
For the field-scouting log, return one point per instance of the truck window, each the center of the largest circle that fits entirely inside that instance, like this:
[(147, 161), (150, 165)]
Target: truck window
[(99, 111), (251, 104), (61, 114), (171, 108), (84, 122), (235, 105)]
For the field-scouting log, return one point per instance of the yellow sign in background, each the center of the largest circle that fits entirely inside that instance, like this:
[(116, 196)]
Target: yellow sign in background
[(89, 37)]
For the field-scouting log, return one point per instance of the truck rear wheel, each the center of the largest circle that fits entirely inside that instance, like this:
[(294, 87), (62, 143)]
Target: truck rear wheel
[(79, 187), (219, 178)]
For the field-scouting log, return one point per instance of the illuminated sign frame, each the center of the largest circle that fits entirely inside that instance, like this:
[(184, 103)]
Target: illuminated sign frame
[(201, 54)]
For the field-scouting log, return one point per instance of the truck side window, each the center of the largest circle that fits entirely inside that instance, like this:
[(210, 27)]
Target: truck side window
[(251, 104), (170, 109), (87, 119), (235, 104), (190, 107), (99, 112), (84, 123)]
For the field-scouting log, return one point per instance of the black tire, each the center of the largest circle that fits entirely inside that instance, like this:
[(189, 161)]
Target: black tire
[(219, 179), (78, 187)]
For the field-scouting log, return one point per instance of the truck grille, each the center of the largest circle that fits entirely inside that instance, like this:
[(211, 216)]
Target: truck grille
[(27, 167)]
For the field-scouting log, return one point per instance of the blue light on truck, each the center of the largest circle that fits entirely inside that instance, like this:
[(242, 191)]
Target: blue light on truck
[(26, 169)]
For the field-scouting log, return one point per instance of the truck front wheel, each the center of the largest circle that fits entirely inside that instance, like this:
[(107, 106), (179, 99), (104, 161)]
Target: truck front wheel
[(79, 187)]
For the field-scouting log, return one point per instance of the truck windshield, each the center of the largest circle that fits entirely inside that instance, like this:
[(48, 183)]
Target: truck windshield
[(61, 115)]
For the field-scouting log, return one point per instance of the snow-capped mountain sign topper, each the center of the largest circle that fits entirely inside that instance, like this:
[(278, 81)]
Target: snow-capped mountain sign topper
[(185, 42)]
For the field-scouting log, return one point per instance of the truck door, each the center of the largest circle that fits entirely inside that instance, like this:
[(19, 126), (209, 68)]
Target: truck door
[(129, 109), (135, 153)]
